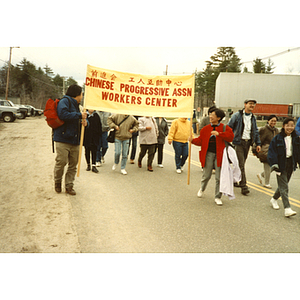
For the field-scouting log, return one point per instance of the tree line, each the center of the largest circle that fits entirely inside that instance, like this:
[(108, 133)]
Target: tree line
[(33, 85), (225, 60)]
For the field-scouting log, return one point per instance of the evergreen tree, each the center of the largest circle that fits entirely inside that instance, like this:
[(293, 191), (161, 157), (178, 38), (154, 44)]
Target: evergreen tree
[(225, 60)]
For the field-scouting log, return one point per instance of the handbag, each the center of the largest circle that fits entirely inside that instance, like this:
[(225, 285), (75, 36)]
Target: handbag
[(263, 153), (112, 133), (111, 136)]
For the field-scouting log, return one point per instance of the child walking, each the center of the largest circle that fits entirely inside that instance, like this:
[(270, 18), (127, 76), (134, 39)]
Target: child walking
[(283, 156)]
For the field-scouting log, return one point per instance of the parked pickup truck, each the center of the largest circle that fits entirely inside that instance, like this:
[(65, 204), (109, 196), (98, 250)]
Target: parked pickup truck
[(9, 113), (23, 108)]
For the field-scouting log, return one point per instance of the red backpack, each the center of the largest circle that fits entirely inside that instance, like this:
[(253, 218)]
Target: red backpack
[(50, 113)]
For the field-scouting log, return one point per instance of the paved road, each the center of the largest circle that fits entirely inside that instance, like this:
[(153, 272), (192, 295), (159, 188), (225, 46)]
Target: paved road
[(158, 212)]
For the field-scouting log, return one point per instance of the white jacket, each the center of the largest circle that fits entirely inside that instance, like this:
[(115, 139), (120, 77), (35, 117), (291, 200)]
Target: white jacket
[(230, 173)]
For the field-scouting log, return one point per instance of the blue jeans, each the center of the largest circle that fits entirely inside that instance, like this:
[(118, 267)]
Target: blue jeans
[(103, 146), (181, 153), (121, 147)]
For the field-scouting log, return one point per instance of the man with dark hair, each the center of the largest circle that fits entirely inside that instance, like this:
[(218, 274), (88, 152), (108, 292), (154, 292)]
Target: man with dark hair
[(243, 124), (67, 138)]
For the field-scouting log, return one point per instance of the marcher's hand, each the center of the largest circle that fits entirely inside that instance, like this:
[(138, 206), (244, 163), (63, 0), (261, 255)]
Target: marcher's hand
[(214, 132), (117, 128), (84, 122), (131, 130), (148, 128), (278, 173), (190, 139), (84, 115), (170, 142), (258, 148)]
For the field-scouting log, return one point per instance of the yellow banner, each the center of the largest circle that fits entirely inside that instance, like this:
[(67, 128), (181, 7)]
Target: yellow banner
[(139, 95)]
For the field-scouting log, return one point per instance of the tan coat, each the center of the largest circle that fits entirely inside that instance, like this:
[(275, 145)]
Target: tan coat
[(123, 133)]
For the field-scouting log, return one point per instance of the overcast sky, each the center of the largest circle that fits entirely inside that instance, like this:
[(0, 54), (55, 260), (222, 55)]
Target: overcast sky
[(72, 61), (143, 38)]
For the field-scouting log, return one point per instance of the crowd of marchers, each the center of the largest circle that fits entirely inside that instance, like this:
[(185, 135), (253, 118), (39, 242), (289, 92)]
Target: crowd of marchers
[(223, 148)]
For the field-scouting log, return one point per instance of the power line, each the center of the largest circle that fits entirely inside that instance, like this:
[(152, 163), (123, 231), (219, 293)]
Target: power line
[(273, 55)]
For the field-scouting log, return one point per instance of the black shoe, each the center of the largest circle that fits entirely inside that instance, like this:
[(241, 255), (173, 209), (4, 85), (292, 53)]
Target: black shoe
[(95, 170), (236, 185), (58, 187), (88, 168), (245, 190), (70, 191)]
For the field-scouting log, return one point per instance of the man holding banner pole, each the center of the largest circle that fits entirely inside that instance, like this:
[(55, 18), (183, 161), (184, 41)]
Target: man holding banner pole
[(67, 138)]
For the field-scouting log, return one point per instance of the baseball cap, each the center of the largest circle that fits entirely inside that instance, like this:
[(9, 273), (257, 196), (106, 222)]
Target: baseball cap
[(249, 99)]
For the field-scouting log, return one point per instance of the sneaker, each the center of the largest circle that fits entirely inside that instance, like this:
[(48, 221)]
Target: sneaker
[(160, 165), (259, 178), (288, 212), (274, 203), (218, 201), (268, 186), (102, 160), (182, 168), (98, 164), (132, 161), (114, 167), (123, 171), (178, 171), (88, 168), (213, 171), (200, 193)]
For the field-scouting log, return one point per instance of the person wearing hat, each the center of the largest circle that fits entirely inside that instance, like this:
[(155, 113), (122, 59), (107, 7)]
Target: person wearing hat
[(243, 124), (266, 135)]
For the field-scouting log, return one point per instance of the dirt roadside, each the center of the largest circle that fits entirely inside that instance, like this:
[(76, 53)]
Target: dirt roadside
[(33, 217)]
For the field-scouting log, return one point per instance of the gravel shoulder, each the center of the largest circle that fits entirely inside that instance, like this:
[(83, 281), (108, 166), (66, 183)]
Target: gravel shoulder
[(34, 218)]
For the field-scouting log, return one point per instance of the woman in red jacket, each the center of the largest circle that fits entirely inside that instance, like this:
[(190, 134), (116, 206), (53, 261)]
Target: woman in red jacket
[(212, 141)]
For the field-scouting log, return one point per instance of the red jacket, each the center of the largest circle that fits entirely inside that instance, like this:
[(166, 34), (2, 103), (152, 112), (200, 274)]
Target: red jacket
[(203, 141)]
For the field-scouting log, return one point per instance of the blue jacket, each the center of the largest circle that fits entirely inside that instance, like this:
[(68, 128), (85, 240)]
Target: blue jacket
[(277, 151), (298, 126), (69, 132), (237, 125)]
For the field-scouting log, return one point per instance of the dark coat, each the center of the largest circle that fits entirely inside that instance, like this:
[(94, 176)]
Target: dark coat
[(266, 134), (277, 151), (68, 111), (93, 131), (163, 130)]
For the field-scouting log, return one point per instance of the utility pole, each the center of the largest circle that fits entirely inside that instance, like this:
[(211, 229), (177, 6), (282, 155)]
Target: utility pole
[(63, 77), (9, 63)]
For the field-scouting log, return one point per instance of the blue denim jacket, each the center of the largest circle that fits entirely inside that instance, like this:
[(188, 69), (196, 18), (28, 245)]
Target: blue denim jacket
[(237, 125)]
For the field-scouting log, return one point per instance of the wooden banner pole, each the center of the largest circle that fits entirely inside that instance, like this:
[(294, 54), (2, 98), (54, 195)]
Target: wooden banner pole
[(80, 146), (190, 151)]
